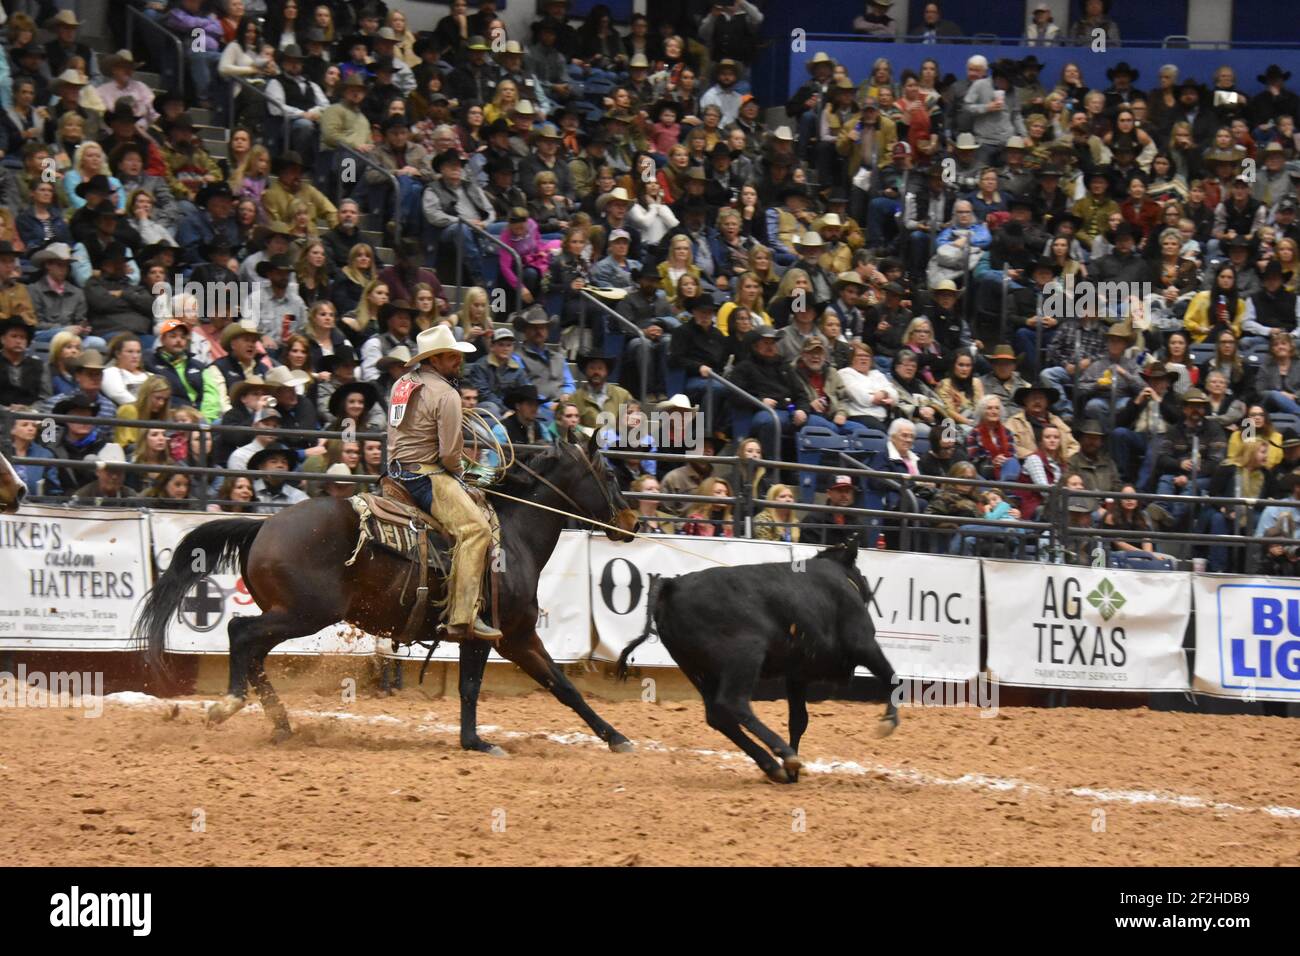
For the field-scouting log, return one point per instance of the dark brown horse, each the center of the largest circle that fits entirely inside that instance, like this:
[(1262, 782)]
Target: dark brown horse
[(12, 487), (294, 567)]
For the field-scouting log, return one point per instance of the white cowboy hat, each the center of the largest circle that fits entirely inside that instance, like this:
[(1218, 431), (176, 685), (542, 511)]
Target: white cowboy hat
[(108, 455), (435, 340), (282, 377), (678, 402), (58, 251), (340, 470)]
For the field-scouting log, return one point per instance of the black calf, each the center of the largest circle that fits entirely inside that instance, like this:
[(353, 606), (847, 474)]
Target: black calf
[(727, 627)]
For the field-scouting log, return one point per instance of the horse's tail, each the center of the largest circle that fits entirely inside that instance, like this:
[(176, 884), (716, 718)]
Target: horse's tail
[(659, 589), (210, 548)]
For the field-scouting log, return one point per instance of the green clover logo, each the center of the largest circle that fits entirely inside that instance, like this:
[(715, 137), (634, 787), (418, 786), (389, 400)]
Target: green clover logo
[(1106, 599)]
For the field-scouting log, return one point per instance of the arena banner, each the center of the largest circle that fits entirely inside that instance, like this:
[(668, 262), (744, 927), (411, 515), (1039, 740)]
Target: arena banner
[(200, 623), (1247, 637), (1086, 628), (72, 578), (563, 608), (620, 578), (926, 609)]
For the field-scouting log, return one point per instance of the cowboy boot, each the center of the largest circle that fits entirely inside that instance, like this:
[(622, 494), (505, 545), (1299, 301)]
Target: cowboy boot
[(479, 629)]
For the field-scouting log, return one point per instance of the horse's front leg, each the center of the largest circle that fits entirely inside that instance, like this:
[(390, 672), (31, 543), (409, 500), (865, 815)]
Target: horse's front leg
[(528, 652), (473, 662)]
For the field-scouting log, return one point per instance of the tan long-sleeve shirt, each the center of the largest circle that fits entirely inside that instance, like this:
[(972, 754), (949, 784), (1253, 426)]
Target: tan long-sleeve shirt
[(424, 423)]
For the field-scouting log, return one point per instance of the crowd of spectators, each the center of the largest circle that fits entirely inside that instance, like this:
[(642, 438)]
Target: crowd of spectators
[(1002, 276)]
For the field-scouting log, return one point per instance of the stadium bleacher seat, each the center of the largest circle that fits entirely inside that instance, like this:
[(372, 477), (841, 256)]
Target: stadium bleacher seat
[(1140, 561)]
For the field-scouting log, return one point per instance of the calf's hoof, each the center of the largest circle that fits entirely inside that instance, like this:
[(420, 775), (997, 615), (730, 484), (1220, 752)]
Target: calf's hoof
[(281, 734), (792, 765), (778, 775), (622, 747)]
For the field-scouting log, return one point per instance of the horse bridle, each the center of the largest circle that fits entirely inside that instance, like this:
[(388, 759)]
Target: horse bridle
[(591, 470)]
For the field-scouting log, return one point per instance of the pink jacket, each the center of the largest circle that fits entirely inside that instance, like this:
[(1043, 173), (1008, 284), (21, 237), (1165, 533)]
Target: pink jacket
[(531, 250)]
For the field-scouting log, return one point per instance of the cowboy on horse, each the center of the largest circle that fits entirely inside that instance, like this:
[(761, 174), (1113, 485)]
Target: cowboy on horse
[(425, 450)]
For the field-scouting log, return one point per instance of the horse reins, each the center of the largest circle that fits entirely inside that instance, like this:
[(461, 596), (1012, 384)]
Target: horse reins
[(577, 514)]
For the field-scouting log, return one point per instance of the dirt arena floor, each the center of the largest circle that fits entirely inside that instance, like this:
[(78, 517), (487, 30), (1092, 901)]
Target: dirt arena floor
[(383, 782)]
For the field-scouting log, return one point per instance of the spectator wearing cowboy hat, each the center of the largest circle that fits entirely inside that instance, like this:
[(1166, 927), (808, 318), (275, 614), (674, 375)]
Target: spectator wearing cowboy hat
[(189, 166), (1142, 426), (122, 85), (58, 303), (276, 241), (1004, 379), (521, 425), (496, 372), (288, 185), (1113, 379), (410, 163), (343, 123), (449, 198), (280, 308), (294, 95), (396, 322), (1092, 462), (241, 361), (68, 88), (1081, 341), (545, 157), (192, 383), (132, 161), (108, 488), (546, 368), (213, 219), (1274, 101), (115, 302), (1026, 425), (87, 371), (357, 403), (273, 491), (598, 396), (391, 367), (20, 383)]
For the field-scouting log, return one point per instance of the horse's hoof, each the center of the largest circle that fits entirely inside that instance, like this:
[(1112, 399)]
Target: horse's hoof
[(494, 751), (778, 775), (280, 735), (222, 710), (623, 747), (886, 725), (793, 764)]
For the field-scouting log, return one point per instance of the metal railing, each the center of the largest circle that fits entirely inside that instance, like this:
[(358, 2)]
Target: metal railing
[(132, 17), (990, 39), (460, 262), (643, 353), (238, 82), (374, 164), (917, 529), (204, 468), (750, 400)]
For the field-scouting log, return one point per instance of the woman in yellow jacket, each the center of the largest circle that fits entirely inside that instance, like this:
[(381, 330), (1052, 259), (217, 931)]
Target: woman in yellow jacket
[(1220, 305), (1263, 430)]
